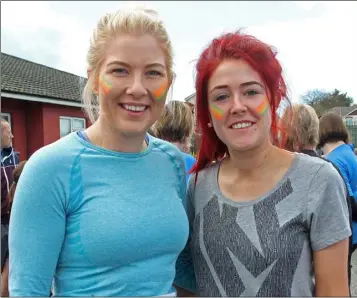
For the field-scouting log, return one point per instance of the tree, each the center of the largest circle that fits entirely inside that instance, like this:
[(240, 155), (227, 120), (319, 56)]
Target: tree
[(321, 100)]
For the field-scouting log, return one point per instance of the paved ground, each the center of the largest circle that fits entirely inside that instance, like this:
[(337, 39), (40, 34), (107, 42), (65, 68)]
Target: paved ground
[(354, 274)]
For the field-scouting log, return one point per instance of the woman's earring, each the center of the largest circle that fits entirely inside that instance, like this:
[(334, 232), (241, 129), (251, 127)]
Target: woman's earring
[(209, 124)]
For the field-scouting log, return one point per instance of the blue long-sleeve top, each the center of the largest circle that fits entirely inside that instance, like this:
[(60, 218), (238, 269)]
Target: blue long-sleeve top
[(97, 222), (345, 160)]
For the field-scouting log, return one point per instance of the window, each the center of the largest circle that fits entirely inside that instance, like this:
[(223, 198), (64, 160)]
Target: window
[(70, 124), (7, 117), (348, 121)]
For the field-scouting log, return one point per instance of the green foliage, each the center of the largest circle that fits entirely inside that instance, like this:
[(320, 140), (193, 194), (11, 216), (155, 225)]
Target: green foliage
[(321, 100)]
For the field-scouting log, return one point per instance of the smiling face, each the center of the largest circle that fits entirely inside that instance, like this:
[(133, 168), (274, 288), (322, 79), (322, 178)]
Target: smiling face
[(132, 84), (239, 107)]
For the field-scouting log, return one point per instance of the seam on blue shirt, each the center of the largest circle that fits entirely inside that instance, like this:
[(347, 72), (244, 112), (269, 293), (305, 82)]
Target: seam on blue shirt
[(76, 160), (173, 159), (75, 193)]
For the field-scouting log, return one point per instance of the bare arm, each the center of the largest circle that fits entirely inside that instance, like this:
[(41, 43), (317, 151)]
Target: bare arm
[(329, 232), (5, 280), (330, 266)]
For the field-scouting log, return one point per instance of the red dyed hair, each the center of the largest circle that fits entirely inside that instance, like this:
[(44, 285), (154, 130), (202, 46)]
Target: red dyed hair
[(262, 58)]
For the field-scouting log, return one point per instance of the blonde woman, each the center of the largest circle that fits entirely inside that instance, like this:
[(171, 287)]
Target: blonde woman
[(302, 129), (100, 212), (175, 125)]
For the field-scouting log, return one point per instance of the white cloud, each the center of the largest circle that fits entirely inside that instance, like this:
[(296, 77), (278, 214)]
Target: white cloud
[(16, 15), (24, 19), (317, 51), (306, 5)]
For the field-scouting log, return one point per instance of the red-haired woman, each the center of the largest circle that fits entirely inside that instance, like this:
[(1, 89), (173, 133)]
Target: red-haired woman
[(264, 221)]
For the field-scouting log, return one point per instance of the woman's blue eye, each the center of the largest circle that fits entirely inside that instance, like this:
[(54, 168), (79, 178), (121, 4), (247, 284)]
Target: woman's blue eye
[(251, 93), (154, 73), (120, 71), (221, 97)]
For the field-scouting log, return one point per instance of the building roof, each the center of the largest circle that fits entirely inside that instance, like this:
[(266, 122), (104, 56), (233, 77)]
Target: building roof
[(21, 76), (191, 98), (342, 111), (353, 112)]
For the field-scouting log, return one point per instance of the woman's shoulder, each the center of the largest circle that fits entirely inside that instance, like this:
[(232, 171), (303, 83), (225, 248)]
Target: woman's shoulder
[(315, 170), (56, 154), (349, 154), (203, 176), (344, 151), (166, 149), (344, 159)]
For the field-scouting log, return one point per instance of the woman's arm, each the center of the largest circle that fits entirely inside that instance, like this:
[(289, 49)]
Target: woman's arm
[(4, 280), (185, 281), (330, 267), (329, 232), (37, 225)]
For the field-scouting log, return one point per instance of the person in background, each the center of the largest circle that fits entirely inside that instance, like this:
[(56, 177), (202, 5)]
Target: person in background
[(175, 125), (4, 236), (9, 160), (106, 215), (335, 145), (301, 125), (263, 223), (8, 155)]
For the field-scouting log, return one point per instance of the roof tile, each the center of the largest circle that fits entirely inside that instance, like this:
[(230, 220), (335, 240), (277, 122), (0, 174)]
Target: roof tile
[(29, 78)]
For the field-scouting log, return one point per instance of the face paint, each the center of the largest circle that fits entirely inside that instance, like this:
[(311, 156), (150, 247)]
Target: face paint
[(215, 111), (105, 84), (159, 93), (262, 108)]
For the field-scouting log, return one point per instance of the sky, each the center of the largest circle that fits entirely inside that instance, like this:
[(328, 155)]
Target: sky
[(314, 39)]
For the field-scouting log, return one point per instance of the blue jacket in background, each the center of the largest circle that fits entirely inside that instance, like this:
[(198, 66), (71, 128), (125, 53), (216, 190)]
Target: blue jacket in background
[(189, 161), (346, 161)]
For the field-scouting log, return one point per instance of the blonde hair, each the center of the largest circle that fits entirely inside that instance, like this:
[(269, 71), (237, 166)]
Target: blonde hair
[(175, 124), (302, 127), (137, 21)]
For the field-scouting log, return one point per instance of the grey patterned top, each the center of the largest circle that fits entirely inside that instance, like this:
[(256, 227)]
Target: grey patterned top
[(264, 247)]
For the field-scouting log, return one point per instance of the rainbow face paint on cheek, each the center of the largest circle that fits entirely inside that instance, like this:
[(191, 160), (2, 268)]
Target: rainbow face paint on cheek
[(262, 107), (216, 112), (160, 92), (105, 85)]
